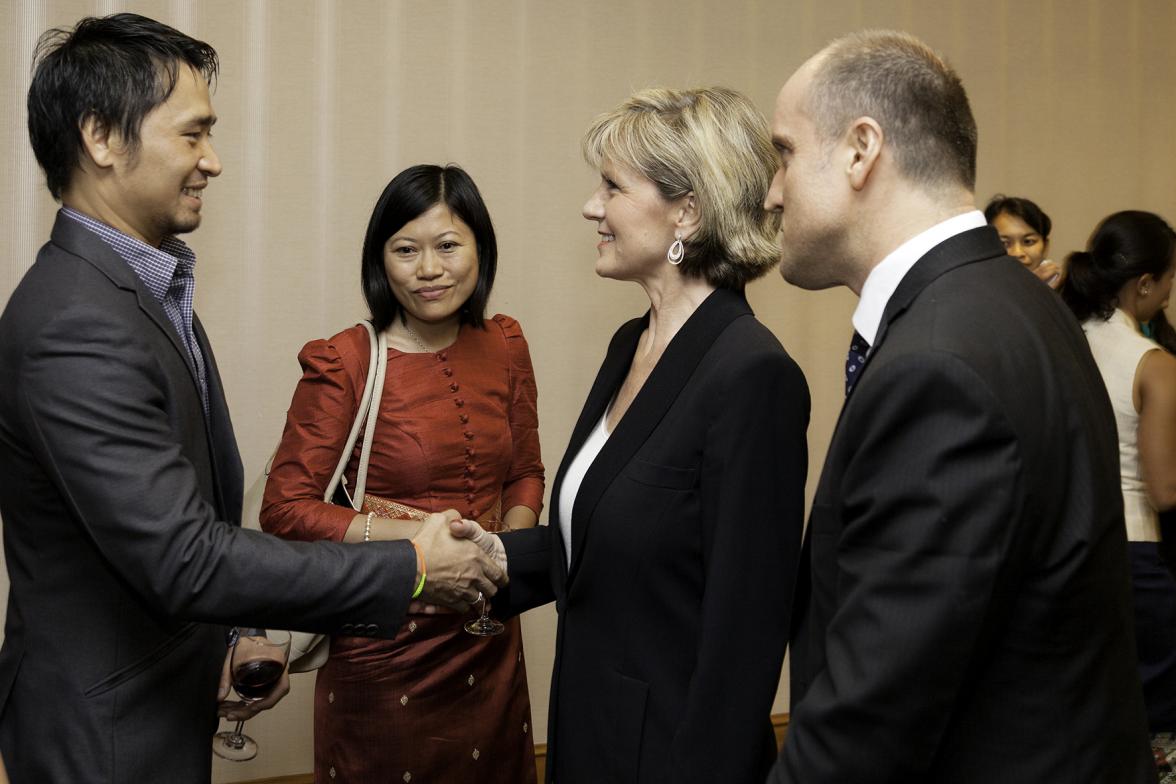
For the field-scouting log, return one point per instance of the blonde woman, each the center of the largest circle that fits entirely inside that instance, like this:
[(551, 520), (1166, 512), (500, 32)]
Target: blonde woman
[(677, 510)]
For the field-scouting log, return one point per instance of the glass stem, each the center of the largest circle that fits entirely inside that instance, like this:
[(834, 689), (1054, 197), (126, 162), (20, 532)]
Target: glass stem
[(237, 740)]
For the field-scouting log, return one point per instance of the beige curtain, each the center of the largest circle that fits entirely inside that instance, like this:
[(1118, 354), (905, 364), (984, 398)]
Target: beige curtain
[(320, 103)]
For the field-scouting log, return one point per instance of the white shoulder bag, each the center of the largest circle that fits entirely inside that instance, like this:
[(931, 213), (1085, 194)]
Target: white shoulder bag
[(308, 651)]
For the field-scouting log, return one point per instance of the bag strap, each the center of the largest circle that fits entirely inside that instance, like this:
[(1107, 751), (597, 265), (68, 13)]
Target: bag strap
[(373, 411), (377, 362)]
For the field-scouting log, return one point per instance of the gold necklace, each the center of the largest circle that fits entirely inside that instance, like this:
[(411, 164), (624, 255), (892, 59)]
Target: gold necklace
[(417, 339)]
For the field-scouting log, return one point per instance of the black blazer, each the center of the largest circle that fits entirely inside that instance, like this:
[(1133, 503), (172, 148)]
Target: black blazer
[(968, 617), (121, 502), (673, 616)]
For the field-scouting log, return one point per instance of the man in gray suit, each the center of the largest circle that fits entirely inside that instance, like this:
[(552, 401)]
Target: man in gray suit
[(963, 612), (122, 484)]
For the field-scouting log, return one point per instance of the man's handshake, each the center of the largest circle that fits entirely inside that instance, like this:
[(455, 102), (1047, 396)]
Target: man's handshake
[(461, 561)]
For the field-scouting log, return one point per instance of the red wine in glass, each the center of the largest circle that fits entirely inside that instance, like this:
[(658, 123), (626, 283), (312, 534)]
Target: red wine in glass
[(255, 679), (258, 661)]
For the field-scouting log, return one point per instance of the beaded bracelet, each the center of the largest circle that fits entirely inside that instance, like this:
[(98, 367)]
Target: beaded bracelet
[(367, 527)]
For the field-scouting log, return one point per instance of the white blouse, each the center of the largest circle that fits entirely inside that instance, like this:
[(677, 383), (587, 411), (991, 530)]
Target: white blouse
[(575, 476), (1118, 348)]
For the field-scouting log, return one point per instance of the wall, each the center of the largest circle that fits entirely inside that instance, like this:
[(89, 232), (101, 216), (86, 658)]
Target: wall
[(320, 103)]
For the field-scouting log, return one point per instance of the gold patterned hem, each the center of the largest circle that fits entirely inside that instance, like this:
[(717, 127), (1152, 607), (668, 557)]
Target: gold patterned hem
[(386, 507)]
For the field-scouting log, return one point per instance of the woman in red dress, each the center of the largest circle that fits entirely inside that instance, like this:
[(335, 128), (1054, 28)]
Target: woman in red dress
[(457, 428)]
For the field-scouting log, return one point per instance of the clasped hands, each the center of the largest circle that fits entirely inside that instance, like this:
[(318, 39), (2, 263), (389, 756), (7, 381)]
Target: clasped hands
[(462, 561)]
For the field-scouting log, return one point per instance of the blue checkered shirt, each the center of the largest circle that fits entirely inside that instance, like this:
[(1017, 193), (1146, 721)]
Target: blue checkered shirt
[(167, 272)]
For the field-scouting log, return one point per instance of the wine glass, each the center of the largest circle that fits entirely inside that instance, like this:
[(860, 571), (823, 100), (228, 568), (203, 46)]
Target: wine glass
[(258, 661), (484, 625)]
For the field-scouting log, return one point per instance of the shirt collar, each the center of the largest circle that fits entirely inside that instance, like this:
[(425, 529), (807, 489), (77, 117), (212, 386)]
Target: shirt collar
[(154, 266), (883, 280)]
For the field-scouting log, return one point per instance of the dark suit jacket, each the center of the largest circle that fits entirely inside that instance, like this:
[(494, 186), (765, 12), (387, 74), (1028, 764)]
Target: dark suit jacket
[(121, 503), (968, 616), (673, 616)]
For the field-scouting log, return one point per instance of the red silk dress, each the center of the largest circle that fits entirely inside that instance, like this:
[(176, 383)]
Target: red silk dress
[(457, 429)]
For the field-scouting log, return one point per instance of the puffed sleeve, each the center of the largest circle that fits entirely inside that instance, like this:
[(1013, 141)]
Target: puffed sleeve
[(524, 480), (317, 425)]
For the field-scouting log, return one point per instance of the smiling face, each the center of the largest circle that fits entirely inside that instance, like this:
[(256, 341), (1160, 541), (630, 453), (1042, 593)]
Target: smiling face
[(635, 222), (1021, 241), (156, 189), (432, 265)]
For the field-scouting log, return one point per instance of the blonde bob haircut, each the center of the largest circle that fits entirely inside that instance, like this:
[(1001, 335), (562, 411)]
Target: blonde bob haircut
[(711, 142)]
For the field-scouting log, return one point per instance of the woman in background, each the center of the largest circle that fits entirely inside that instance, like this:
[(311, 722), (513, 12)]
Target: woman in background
[(1024, 229), (676, 518), (457, 428), (1121, 281), (1161, 331)]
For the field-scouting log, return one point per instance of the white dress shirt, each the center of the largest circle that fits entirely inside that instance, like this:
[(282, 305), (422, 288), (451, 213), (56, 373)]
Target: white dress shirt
[(883, 280)]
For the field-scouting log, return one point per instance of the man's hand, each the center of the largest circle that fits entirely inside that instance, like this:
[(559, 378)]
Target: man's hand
[(458, 570), (237, 710), (491, 545)]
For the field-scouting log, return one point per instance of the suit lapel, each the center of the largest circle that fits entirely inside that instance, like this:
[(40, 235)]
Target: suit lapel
[(957, 251), (608, 380), (227, 473), (226, 462), (968, 247), (960, 250), (659, 392), (85, 244)]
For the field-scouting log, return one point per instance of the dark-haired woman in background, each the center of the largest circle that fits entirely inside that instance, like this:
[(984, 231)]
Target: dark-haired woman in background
[(1121, 281), (1161, 331), (1024, 229), (457, 429)]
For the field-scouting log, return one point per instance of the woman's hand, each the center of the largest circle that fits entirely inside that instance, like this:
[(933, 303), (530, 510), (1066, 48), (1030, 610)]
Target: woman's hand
[(490, 544), (1049, 273)]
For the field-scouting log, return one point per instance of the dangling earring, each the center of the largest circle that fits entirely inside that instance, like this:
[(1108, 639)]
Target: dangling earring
[(677, 250)]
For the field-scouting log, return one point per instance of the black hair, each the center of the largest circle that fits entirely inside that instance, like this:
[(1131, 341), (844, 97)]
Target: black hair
[(1125, 246), (115, 69), (1163, 333), (1033, 216), (409, 195)]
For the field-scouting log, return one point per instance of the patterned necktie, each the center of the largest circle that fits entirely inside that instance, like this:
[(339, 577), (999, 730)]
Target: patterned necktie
[(858, 348)]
